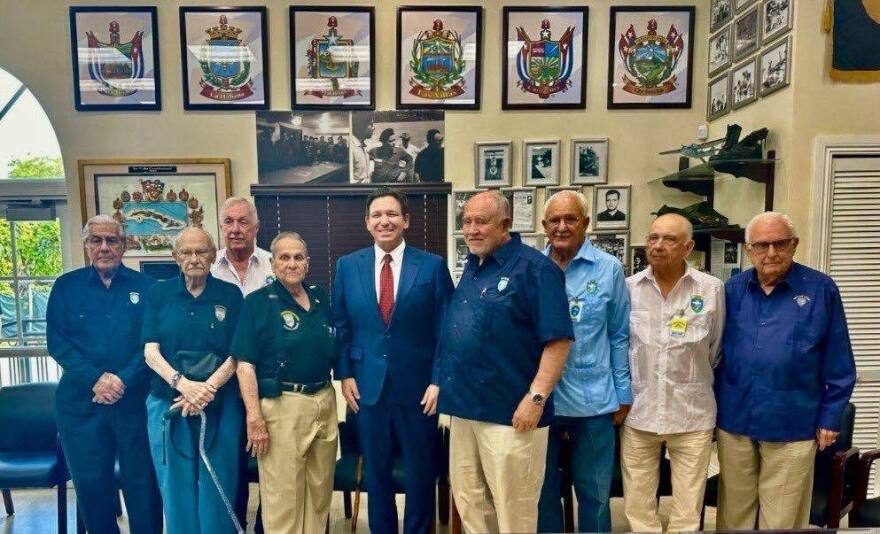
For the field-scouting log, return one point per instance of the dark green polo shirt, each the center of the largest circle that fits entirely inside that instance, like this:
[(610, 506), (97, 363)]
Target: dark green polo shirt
[(177, 321), (307, 342)]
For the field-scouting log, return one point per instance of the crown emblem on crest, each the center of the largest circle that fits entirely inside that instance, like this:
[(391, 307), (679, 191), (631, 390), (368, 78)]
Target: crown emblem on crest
[(437, 63), (223, 32)]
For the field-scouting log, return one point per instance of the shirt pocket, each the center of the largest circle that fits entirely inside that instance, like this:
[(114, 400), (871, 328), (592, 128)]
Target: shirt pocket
[(682, 364)]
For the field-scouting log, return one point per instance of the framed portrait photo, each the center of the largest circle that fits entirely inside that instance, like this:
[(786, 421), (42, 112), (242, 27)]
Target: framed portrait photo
[(494, 161), (646, 73), (439, 57), (541, 162), (459, 199), (776, 18), (332, 57), (155, 199), (614, 243), (225, 58), (611, 204), (743, 84), (775, 66), (746, 34), (720, 50), (115, 53), (523, 206), (545, 54), (721, 12), (718, 100), (638, 259), (589, 161)]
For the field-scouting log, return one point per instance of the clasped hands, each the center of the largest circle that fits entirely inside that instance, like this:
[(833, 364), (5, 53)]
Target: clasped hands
[(194, 396)]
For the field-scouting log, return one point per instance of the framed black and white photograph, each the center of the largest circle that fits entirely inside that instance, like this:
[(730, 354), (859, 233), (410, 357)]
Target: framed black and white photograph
[(523, 206), (720, 50), (720, 13), (115, 58), (611, 207), (638, 259), (541, 162), (718, 100), (459, 199), (776, 18), (746, 30), (589, 161), (461, 253), (614, 243), (536, 241), (302, 147), (545, 51), (494, 162), (743, 84), (775, 67), (225, 58), (397, 147), (439, 57), (742, 5), (332, 57)]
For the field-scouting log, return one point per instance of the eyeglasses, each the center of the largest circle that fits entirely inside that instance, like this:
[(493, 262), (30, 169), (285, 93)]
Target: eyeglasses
[(202, 253), (781, 245), (96, 241), (668, 240), (569, 220)]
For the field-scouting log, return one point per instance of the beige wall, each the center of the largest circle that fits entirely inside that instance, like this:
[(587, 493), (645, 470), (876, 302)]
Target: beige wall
[(40, 58)]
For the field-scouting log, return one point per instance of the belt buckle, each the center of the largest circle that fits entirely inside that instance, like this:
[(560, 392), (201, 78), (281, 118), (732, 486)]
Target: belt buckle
[(298, 388)]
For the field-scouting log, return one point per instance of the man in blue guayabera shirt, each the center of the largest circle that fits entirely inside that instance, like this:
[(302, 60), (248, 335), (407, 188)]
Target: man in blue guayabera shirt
[(594, 392), (503, 346), (785, 378), (93, 331)]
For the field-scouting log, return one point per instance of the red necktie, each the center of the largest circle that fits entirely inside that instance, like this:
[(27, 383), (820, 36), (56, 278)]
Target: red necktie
[(386, 289)]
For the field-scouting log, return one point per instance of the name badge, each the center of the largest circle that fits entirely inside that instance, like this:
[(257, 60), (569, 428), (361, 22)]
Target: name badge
[(678, 325), (575, 308)]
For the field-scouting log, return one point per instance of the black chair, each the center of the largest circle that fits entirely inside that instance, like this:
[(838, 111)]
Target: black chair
[(30, 452)]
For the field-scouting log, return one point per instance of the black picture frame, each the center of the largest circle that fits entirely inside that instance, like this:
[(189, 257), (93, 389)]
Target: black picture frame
[(75, 59), (614, 35), (184, 59), (477, 11), (294, 65), (584, 11)]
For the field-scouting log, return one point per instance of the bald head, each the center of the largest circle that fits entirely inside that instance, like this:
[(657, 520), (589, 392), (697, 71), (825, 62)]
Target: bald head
[(486, 223), (669, 243), (194, 251), (193, 235), (677, 223), (493, 201)]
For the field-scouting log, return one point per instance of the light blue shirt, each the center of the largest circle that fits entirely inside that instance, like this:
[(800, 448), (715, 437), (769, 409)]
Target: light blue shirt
[(596, 379)]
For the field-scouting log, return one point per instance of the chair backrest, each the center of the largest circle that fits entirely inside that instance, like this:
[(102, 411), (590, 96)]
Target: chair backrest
[(27, 417)]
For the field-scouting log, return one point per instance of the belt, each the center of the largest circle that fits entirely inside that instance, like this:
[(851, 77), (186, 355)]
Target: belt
[(310, 388)]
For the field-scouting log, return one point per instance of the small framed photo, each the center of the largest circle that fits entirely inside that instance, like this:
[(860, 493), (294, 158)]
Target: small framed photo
[(589, 161), (332, 58), (494, 160), (718, 100), (746, 30), (611, 207), (523, 206), (225, 58), (720, 50), (545, 55), (743, 81), (459, 199), (115, 58), (638, 259), (775, 67), (721, 12), (614, 243), (776, 18), (536, 241), (742, 5), (541, 162), (460, 253), (438, 57)]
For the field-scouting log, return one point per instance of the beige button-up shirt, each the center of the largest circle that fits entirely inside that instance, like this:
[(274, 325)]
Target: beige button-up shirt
[(671, 360), (259, 272)]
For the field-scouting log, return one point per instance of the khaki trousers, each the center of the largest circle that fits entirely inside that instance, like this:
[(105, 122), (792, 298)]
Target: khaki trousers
[(496, 475), (296, 473), (772, 481), (689, 454)]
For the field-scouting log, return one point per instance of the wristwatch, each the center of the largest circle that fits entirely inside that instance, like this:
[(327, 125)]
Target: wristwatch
[(174, 380), (537, 398)]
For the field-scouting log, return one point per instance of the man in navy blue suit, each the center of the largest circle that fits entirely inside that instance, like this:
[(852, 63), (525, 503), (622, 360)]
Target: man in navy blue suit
[(388, 302)]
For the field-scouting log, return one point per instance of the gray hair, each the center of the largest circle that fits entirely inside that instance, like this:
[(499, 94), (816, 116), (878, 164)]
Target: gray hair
[(502, 205), (568, 193), (204, 233), (231, 201), (103, 219), (288, 235), (770, 216)]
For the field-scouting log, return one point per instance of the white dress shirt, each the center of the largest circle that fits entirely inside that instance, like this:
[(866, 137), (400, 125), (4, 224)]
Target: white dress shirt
[(672, 366), (259, 272), (396, 264)]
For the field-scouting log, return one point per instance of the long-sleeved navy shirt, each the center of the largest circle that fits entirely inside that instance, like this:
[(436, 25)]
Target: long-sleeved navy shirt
[(787, 367)]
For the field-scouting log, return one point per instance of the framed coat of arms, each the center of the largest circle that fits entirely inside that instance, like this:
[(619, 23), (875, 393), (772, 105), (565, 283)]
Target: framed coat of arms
[(115, 58), (439, 57), (224, 55), (332, 58), (545, 57)]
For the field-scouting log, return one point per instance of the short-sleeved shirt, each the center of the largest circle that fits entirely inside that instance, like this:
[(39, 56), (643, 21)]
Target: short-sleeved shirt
[(500, 317), (307, 342), (259, 273), (178, 321)]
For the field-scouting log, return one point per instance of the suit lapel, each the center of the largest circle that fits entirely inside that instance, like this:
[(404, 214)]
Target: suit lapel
[(367, 272), (408, 272)]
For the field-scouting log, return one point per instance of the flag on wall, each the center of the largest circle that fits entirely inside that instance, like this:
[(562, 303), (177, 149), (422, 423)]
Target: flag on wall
[(855, 28)]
